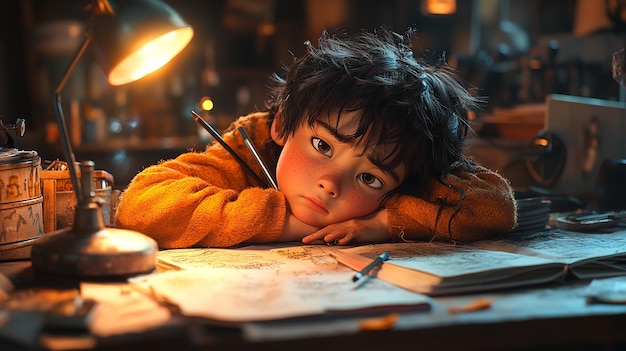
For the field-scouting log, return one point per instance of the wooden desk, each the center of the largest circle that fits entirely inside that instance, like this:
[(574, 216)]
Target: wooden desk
[(553, 317)]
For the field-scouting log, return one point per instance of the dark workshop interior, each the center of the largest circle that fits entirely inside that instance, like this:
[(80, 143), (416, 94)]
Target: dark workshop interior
[(551, 74), (515, 52)]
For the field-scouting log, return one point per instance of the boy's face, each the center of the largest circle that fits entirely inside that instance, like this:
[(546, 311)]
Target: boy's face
[(328, 179)]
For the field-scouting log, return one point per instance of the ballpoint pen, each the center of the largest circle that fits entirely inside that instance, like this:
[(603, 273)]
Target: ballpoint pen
[(377, 262), (248, 141), (219, 139)]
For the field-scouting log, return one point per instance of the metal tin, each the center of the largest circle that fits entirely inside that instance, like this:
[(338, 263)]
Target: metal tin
[(21, 206), (19, 180)]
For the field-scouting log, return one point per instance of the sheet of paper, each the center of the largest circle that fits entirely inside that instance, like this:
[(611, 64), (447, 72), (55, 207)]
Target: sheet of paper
[(266, 284), (611, 290), (121, 309), (249, 258), (228, 294), (565, 247)]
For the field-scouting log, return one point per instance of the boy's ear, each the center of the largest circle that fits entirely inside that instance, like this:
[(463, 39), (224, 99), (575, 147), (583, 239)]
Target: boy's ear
[(275, 130)]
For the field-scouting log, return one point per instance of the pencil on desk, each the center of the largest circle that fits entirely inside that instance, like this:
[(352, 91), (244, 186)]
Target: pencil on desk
[(377, 262)]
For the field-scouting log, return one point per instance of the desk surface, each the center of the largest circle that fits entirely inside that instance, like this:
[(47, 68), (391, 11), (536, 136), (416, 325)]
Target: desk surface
[(544, 317)]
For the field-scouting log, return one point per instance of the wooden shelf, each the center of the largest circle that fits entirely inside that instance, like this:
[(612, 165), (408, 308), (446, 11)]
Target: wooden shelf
[(165, 143)]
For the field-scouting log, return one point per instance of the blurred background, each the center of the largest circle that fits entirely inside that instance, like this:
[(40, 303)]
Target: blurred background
[(516, 52)]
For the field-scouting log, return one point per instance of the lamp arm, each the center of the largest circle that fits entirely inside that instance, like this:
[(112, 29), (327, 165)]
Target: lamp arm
[(65, 140)]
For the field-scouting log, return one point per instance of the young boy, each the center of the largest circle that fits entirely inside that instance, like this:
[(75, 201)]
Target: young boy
[(367, 146)]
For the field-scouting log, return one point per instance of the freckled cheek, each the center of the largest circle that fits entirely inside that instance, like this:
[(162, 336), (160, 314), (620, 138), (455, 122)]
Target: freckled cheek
[(293, 167)]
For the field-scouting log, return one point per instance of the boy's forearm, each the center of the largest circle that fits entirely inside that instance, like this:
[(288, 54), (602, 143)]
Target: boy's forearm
[(485, 206), (179, 210)]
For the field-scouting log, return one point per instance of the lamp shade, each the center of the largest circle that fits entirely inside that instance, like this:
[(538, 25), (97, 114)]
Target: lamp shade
[(137, 38)]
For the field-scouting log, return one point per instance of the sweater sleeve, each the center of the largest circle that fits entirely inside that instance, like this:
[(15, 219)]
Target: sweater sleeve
[(463, 207), (202, 198)]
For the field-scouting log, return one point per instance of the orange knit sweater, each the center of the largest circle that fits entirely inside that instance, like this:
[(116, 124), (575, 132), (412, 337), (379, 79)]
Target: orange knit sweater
[(206, 199)]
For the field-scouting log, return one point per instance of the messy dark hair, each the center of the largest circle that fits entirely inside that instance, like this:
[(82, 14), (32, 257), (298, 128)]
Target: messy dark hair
[(420, 109)]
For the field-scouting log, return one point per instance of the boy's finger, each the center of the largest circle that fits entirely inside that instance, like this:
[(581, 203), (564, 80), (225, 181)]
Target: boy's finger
[(312, 238)]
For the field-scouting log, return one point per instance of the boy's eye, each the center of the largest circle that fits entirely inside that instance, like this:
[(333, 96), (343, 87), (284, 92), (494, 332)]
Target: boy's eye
[(322, 147), (371, 181)]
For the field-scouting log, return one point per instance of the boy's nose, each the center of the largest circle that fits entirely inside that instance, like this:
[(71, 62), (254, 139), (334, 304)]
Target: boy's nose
[(329, 186)]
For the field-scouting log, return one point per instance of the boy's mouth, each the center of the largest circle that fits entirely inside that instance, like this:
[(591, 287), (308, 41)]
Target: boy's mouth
[(316, 204)]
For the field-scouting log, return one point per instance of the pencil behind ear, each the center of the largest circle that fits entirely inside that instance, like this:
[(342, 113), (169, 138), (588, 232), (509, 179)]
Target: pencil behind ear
[(276, 130)]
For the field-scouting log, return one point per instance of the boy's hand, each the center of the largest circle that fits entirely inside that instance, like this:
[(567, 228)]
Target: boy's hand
[(368, 229)]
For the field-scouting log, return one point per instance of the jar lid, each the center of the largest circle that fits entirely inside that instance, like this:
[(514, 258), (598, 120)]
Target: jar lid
[(13, 155)]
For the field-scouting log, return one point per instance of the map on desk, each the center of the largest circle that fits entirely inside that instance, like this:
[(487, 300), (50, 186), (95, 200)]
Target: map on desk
[(268, 283), (262, 283)]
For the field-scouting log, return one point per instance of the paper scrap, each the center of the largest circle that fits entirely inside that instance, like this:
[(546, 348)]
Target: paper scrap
[(379, 323), (473, 306)]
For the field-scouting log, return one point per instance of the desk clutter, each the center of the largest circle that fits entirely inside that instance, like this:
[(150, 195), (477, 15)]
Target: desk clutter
[(59, 200), (36, 201), (285, 284), (533, 215)]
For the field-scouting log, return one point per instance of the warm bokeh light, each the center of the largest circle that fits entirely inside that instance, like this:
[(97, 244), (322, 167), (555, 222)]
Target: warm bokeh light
[(206, 103), (150, 57), (542, 142), (535, 64), (440, 7)]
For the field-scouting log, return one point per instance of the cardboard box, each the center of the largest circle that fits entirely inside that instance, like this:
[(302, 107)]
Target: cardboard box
[(59, 200)]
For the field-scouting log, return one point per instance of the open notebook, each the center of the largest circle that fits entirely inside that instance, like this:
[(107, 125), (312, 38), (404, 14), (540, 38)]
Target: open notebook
[(548, 256)]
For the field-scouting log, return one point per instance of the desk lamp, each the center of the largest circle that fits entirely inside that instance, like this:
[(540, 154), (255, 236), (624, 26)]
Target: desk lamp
[(133, 38)]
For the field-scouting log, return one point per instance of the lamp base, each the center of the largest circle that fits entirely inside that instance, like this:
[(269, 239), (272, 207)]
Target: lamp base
[(89, 249), (101, 253)]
